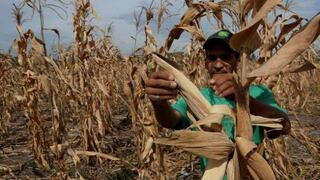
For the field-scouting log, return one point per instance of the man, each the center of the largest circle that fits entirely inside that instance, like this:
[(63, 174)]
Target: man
[(221, 61)]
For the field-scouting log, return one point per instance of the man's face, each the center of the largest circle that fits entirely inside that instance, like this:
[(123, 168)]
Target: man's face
[(220, 59)]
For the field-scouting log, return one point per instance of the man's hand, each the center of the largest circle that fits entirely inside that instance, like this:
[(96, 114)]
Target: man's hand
[(223, 84), (274, 133), (161, 86)]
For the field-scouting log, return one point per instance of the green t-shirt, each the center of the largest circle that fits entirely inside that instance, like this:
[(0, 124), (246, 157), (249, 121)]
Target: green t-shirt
[(259, 92)]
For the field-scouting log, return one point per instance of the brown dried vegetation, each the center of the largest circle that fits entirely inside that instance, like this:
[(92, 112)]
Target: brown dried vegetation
[(84, 113)]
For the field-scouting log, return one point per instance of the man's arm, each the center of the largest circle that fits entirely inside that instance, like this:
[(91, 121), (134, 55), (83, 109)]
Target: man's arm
[(259, 108), (165, 115), (224, 85), (161, 87)]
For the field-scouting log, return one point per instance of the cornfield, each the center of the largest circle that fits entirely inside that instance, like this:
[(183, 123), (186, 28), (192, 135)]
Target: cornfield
[(82, 112)]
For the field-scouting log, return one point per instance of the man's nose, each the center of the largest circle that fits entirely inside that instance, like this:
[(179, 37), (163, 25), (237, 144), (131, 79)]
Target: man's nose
[(218, 65)]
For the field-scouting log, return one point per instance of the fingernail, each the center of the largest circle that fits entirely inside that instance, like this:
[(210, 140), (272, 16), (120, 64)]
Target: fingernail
[(171, 77), (212, 81), (173, 84), (214, 87)]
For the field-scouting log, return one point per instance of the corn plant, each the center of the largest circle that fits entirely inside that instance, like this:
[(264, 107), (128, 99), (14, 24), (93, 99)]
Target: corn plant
[(253, 33)]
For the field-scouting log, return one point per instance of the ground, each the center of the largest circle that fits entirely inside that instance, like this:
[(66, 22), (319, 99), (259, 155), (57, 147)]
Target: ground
[(17, 160)]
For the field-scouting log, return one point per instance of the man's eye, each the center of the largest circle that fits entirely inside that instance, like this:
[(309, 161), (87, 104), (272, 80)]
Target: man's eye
[(225, 56), (212, 57)]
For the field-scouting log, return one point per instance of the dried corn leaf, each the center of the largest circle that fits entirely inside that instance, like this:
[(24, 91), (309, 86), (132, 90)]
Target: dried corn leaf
[(295, 46), (244, 37), (215, 169), (196, 32), (243, 121), (59, 148), (230, 171), (45, 83), (255, 120), (91, 153), (295, 68), (101, 128), (215, 8), (58, 71), (257, 4), (211, 118), (246, 6), (187, 18), (75, 157), (216, 114), (287, 28), (37, 45), (233, 169), (188, 3), (213, 145), (266, 122), (151, 41), (147, 148), (223, 109), (257, 165), (103, 89), (194, 122), (195, 11)]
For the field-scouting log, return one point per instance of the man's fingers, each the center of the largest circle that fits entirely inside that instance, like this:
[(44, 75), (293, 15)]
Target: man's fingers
[(159, 83), (222, 87), (228, 91), (162, 75), (159, 98), (156, 91)]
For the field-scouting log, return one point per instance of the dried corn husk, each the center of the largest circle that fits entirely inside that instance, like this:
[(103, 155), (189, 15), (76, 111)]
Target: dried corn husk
[(213, 145), (211, 118), (215, 169), (230, 169), (255, 121), (193, 97), (257, 165), (266, 122)]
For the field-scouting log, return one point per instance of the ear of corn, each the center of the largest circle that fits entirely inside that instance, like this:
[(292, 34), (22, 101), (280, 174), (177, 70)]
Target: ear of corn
[(214, 145), (197, 103)]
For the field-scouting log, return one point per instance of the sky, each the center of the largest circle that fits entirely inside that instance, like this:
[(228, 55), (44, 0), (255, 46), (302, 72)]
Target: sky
[(118, 13)]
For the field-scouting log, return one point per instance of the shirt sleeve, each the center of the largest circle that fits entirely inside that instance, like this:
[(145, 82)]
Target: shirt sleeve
[(265, 95), (181, 107)]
